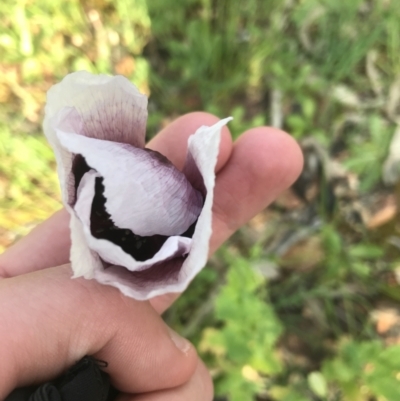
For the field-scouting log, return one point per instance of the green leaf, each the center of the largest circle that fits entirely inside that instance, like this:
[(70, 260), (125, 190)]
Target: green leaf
[(317, 384)]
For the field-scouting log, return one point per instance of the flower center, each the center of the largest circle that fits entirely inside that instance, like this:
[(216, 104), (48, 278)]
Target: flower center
[(141, 248)]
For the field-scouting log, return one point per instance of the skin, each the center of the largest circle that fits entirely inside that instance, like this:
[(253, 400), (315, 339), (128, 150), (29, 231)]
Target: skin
[(48, 321)]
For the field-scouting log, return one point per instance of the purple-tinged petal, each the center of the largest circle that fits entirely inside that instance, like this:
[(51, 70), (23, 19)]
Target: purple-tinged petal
[(144, 192), (139, 284), (97, 106), (110, 108)]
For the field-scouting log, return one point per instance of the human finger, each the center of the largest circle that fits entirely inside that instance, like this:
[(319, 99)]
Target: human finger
[(264, 162), (45, 246), (49, 322), (48, 244), (198, 388)]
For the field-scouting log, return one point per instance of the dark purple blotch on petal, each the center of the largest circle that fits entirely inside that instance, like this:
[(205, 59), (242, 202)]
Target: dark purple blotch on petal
[(79, 169)]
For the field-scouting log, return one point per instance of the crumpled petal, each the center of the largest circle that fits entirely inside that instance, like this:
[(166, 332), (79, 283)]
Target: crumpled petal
[(144, 192), (175, 274)]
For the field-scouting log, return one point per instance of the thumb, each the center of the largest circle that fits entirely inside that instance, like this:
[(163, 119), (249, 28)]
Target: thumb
[(49, 322)]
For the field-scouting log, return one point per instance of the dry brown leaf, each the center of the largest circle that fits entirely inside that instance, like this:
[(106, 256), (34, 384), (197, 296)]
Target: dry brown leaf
[(386, 320), (288, 200), (126, 66), (260, 220), (384, 214), (304, 255)]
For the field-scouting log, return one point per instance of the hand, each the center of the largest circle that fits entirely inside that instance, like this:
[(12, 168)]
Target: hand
[(48, 321)]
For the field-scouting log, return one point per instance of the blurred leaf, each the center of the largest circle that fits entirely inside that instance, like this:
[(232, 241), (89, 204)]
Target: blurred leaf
[(366, 251), (317, 384)]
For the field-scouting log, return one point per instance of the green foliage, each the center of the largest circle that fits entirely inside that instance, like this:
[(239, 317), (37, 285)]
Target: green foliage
[(214, 50), (365, 369), (244, 347), (61, 33), (368, 151), (337, 35), (30, 162), (342, 260)]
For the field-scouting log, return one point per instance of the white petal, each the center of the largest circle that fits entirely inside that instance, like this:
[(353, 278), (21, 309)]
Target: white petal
[(85, 195), (84, 261), (97, 106), (203, 148), (144, 193), (203, 151)]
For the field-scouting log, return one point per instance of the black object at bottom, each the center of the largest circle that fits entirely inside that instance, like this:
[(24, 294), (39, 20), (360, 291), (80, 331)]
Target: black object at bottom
[(85, 381)]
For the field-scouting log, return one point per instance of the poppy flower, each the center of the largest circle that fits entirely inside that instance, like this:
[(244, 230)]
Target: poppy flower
[(137, 222)]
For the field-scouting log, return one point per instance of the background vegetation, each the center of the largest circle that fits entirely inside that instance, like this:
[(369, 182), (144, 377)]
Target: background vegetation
[(301, 304)]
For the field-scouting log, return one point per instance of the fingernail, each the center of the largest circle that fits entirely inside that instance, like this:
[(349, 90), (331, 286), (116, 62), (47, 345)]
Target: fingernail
[(181, 343)]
